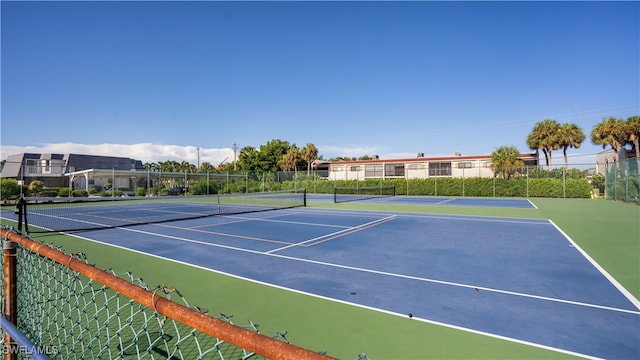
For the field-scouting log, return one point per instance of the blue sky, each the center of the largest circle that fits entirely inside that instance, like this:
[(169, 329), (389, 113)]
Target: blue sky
[(155, 80)]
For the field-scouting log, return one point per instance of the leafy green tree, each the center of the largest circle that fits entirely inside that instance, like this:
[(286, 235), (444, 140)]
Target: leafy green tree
[(270, 153), (545, 136), (598, 181), (570, 136), (203, 187), (35, 187), (504, 161), (9, 189)]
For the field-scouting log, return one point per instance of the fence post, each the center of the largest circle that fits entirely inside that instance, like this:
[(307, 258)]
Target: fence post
[(10, 297), (564, 183), (494, 185), (527, 182), (462, 181)]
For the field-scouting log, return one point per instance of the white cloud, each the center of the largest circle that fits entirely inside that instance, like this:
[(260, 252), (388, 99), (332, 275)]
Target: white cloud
[(146, 152)]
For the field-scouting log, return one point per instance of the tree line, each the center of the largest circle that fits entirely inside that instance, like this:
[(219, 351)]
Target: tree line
[(275, 155), (549, 135), (546, 136)]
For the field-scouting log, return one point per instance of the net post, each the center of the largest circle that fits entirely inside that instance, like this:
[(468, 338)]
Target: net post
[(10, 297), (21, 211), (304, 195)]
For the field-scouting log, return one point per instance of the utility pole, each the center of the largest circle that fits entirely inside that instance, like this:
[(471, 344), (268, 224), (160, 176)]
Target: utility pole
[(198, 148), (235, 148)]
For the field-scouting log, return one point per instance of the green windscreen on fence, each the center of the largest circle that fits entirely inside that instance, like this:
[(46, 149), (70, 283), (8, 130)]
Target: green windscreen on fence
[(75, 214), (622, 180)]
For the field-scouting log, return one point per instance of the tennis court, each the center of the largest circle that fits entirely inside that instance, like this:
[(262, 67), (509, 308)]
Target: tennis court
[(452, 201), (518, 279)]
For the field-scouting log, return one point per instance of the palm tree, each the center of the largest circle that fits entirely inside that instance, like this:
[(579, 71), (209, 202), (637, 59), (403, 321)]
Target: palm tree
[(290, 159), (571, 136), (187, 167), (633, 137), (633, 133), (151, 166), (610, 132), (545, 136), (206, 167), (504, 161), (309, 153)]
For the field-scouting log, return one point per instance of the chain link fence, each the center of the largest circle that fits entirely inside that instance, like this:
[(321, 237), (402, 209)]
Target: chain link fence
[(611, 180), (71, 310), (622, 180)]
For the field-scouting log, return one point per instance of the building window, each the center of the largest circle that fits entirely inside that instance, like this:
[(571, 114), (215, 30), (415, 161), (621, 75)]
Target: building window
[(440, 169), (45, 166), (394, 169), (465, 165), (336, 168), (355, 168), (373, 170)]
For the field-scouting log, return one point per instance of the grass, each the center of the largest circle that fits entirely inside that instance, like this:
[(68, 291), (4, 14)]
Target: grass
[(608, 231)]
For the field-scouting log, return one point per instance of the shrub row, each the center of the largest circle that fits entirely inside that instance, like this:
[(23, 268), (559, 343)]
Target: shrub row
[(488, 187)]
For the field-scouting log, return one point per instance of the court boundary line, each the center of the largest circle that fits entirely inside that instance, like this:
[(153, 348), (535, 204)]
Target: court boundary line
[(446, 201), (433, 322), (626, 293), (390, 274), (595, 264)]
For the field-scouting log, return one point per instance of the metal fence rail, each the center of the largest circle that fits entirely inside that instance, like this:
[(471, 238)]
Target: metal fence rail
[(77, 311)]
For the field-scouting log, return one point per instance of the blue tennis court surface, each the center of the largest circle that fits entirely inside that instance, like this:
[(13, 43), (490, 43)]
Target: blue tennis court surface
[(439, 200), (521, 279)]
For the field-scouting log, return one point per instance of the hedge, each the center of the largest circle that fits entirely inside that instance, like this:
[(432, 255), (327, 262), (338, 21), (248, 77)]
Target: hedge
[(471, 187)]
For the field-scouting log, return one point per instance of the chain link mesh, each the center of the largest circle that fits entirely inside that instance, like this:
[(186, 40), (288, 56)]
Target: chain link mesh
[(71, 316)]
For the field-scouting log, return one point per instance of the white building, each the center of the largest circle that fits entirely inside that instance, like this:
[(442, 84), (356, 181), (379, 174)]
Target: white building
[(420, 167)]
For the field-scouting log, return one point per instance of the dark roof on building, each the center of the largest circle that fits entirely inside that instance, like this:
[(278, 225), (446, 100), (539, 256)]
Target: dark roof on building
[(72, 162)]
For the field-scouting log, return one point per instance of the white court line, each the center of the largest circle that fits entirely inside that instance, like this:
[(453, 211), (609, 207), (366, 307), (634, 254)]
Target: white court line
[(451, 326), (625, 292), (288, 222), (519, 220), (337, 233), (445, 201), (385, 273), (532, 204), (604, 272)]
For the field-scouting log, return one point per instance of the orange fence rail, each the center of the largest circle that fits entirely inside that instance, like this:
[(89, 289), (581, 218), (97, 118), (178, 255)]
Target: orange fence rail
[(243, 338)]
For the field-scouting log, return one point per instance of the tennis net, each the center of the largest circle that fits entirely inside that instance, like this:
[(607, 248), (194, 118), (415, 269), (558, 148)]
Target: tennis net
[(345, 194), (81, 214)]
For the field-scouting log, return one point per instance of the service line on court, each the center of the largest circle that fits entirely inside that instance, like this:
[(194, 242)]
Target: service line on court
[(335, 235), (386, 273), (445, 201), (244, 237)]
